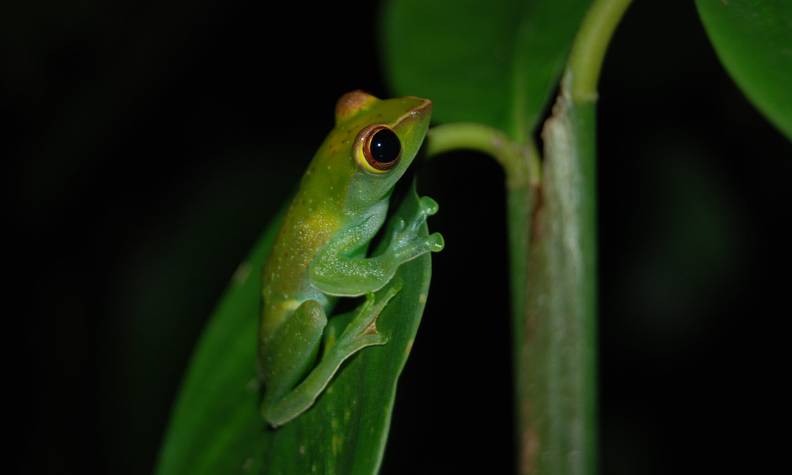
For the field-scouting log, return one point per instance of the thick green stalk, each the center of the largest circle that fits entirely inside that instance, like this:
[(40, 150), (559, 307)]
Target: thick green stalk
[(558, 353), (552, 238), (558, 359)]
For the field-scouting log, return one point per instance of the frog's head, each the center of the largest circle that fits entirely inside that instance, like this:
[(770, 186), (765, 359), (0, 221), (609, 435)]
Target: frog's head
[(375, 141)]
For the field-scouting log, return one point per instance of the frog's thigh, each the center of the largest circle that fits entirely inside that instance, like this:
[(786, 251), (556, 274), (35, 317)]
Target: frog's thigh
[(291, 351)]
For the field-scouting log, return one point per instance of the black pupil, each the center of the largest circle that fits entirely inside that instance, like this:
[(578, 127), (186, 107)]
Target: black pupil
[(385, 146)]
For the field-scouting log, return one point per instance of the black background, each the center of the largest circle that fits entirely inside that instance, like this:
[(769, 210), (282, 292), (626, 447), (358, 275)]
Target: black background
[(148, 143)]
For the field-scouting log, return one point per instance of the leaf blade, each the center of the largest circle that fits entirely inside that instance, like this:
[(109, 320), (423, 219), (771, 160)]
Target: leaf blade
[(754, 42), (494, 63), (215, 425)]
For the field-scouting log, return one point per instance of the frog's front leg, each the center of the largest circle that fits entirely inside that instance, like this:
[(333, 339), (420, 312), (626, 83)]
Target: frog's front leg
[(282, 405), (337, 271)]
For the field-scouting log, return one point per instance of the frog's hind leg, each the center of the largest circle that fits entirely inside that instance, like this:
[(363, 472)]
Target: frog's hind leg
[(359, 333), (291, 351)]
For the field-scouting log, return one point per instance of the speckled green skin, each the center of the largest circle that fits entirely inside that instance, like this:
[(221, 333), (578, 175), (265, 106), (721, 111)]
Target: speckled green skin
[(320, 250)]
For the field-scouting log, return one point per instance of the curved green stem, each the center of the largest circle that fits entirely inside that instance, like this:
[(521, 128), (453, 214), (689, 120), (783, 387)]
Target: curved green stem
[(522, 168), (520, 162), (588, 51)]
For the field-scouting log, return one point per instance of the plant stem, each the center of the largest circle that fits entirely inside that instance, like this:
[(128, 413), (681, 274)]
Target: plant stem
[(552, 238), (522, 168), (520, 163), (591, 43), (558, 354)]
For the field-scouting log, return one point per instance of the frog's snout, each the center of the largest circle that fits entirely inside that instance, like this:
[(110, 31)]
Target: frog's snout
[(424, 107)]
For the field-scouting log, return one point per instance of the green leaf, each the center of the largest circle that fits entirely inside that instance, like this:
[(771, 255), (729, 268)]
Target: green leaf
[(494, 62), (215, 426), (754, 42)]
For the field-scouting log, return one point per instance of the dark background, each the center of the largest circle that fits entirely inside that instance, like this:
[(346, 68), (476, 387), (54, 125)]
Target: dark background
[(148, 144)]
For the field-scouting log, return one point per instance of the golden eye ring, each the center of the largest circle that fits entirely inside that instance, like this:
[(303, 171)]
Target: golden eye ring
[(378, 149)]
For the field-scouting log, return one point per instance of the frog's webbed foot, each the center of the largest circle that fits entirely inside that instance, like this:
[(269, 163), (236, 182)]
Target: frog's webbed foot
[(363, 327), (406, 242)]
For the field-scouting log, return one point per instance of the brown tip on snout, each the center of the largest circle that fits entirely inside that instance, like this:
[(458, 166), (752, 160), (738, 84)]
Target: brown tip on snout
[(351, 103), (422, 109), (425, 107)]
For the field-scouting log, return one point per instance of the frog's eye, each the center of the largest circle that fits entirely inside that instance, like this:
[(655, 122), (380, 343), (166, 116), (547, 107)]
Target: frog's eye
[(379, 149)]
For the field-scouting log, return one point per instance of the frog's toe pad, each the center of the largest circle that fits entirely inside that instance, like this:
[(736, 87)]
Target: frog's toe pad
[(435, 242), (428, 206)]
